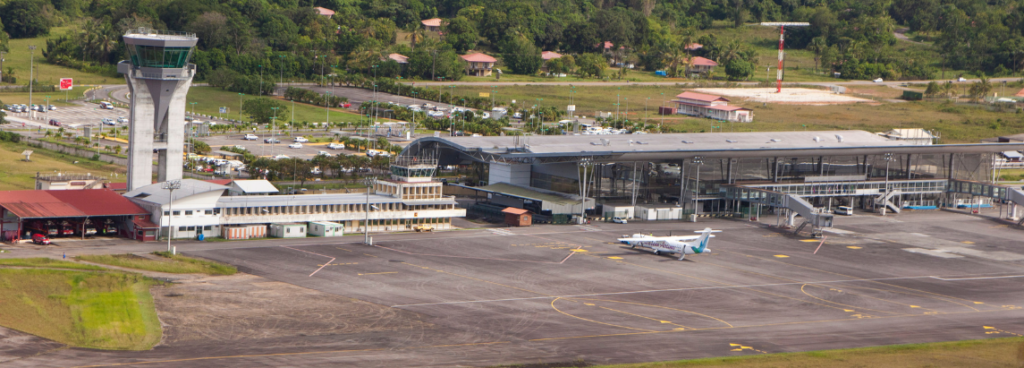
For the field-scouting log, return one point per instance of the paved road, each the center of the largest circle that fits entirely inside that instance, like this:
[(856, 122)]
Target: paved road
[(561, 293)]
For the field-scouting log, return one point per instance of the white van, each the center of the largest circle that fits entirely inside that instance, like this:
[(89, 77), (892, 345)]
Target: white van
[(844, 210), (106, 105)]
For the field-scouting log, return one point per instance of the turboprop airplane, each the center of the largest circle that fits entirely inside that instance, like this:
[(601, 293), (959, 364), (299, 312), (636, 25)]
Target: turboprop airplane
[(683, 245)]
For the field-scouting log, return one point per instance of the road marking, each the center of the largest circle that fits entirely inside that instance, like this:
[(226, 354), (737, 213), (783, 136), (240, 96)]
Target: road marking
[(369, 255), (738, 347), (614, 257), (853, 247), (338, 264), (502, 232), (318, 269), (375, 273), (809, 240), (781, 256), (989, 330)]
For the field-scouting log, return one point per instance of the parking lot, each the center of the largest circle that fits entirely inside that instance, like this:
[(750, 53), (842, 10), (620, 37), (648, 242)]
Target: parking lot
[(562, 293), (77, 117), (260, 148)]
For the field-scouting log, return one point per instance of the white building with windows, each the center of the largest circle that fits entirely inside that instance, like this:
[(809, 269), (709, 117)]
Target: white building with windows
[(410, 197)]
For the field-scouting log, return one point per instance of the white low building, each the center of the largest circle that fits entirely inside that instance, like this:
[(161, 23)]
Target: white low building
[(409, 198), (712, 107)]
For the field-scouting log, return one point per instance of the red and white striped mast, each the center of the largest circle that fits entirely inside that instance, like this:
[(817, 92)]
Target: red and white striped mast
[(782, 39)]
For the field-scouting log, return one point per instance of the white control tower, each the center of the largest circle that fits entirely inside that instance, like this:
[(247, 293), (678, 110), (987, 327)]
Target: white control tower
[(159, 76)]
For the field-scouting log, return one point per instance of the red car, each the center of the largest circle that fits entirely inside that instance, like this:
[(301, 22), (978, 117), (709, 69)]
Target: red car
[(345, 105), (40, 239)]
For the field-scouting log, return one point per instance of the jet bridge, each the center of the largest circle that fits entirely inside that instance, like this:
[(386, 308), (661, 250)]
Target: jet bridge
[(1011, 195), (796, 205)]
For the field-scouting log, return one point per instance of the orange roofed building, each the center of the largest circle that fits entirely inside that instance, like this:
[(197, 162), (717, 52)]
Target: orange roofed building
[(479, 64), (712, 107)]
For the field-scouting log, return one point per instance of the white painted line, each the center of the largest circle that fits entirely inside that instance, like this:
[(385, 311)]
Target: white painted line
[(975, 278), (664, 290)]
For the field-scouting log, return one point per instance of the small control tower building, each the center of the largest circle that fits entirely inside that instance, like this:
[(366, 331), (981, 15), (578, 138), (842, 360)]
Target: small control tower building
[(159, 75)]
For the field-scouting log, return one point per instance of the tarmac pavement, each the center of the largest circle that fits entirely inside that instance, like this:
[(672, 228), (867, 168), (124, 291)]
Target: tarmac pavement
[(561, 293)]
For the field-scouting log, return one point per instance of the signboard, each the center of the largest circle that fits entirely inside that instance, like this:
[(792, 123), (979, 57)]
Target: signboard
[(66, 84), (485, 94), (223, 110), (571, 108)]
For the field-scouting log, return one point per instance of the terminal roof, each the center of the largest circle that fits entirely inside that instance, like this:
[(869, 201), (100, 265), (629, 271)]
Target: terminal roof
[(674, 146)]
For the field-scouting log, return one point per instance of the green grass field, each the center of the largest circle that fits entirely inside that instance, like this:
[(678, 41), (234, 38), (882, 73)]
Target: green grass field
[(956, 123), (170, 263), (1008, 352), (209, 100), (99, 310), (18, 58), (39, 98), (17, 174), (46, 263)]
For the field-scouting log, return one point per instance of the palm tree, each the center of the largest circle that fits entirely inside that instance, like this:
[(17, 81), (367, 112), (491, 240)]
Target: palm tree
[(818, 45), (980, 89), (416, 34)]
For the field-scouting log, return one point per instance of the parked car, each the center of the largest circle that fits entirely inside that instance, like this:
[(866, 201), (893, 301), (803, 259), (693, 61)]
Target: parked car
[(40, 239), (52, 108), (54, 122), (316, 171), (300, 140), (122, 120), (323, 153), (106, 105), (336, 146), (107, 121), (250, 137), (619, 220), (271, 140), (280, 157), (240, 147), (295, 145)]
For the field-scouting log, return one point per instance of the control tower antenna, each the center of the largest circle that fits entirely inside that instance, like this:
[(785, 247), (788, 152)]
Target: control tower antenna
[(782, 30)]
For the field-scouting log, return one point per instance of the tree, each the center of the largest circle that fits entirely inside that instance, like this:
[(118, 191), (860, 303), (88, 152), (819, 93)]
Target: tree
[(3, 39), (933, 89), (461, 34), (738, 69), (521, 55), (262, 109), (26, 18), (591, 65), (222, 78), (980, 89)]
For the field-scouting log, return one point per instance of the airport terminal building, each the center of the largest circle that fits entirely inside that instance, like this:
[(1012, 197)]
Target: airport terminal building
[(805, 173)]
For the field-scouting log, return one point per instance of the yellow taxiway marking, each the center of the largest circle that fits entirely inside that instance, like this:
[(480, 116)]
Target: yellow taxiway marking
[(614, 257), (375, 273), (978, 303), (738, 347), (853, 247), (989, 330), (369, 255), (580, 250), (781, 256), (342, 249), (338, 264), (967, 242), (810, 240)]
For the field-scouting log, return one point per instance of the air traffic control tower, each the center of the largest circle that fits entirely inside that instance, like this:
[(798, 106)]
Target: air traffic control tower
[(159, 76)]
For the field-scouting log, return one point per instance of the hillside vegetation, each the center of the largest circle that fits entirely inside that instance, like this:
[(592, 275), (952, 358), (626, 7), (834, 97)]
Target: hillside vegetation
[(244, 44)]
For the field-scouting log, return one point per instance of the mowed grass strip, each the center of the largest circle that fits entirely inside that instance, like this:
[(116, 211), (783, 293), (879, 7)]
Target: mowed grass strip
[(108, 310), (18, 174), (1006, 352), (168, 263), (47, 263)]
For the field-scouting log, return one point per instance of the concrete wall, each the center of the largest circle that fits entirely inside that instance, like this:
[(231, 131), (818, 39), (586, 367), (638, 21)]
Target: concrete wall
[(505, 173)]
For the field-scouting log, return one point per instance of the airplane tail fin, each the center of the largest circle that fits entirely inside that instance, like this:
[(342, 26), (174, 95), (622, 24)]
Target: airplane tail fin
[(705, 237)]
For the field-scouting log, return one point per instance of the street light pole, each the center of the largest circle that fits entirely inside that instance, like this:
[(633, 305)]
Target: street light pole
[(885, 198), (31, 76), (170, 185), (366, 223), (584, 164), (240, 96), (698, 160)]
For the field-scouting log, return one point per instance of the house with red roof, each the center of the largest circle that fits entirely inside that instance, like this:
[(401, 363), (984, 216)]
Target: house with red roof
[(700, 65), (432, 24), (479, 64), (712, 107)]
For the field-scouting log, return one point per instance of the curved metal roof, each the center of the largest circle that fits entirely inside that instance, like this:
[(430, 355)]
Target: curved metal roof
[(654, 147)]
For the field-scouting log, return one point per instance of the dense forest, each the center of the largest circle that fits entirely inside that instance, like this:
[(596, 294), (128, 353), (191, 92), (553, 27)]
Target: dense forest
[(240, 39)]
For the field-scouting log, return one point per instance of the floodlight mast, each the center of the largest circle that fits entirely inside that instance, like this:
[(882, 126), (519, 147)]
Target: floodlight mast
[(782, 31)]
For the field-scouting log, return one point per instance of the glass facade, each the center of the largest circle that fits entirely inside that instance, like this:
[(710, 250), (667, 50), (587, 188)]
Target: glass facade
[(412, 173), (159, 57)]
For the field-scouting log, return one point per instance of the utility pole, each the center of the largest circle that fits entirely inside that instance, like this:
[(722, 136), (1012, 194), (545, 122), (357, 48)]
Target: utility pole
[(2, 53), (366, 223), (698, 160), (434, 67), (31, 76), (584, 164), (261, 81), (885, 198), (170, 186)]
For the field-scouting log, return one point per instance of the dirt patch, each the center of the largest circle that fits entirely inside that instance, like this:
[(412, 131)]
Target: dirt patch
[(788, 96), (247, 307)]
